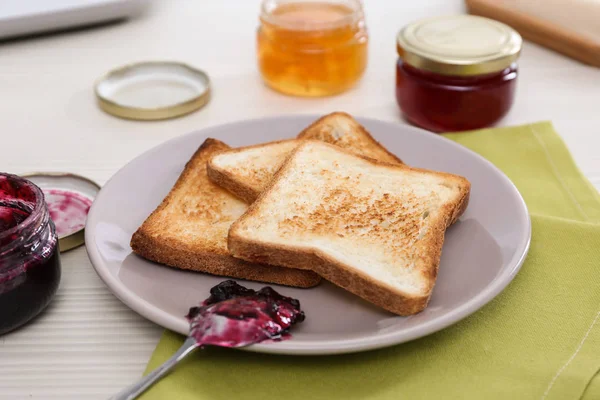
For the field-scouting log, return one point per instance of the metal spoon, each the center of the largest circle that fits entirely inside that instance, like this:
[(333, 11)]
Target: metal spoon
[(135, 390), (232, 323), (188, 347)]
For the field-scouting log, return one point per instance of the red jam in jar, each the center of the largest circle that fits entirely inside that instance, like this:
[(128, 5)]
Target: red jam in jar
[(30, 267), (456, 73)]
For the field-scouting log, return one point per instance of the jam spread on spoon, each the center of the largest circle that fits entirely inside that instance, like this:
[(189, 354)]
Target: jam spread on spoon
[(235, 316)]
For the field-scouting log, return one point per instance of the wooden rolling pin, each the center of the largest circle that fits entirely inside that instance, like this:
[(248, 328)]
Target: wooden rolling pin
[(570, 27)]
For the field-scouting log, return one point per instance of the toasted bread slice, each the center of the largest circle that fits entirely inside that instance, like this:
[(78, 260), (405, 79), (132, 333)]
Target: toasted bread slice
[(342, 130), (188, 230), (373, 228), (245, 171)]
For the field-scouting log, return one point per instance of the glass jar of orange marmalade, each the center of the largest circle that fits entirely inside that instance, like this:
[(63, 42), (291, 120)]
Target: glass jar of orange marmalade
[(456, 73), (312, 48)]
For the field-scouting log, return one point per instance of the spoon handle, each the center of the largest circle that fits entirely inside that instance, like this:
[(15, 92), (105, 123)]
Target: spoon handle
[(133, 391)]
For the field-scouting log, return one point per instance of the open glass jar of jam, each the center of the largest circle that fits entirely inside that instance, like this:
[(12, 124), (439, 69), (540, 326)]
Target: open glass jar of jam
[(312, 48), (29, 256), (456, 73)]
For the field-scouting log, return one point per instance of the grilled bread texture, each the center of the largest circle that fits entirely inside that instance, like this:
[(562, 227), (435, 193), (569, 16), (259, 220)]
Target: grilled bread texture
[(245, 171), (375, 229), (188, 230)]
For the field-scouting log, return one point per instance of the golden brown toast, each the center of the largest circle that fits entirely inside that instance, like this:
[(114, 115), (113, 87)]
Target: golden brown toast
[(375, 229), (188, 230), (341, 129), (245, 171)]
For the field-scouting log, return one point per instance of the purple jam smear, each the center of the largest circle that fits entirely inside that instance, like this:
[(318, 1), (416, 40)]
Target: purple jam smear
[(10, 190), (11, 215), (16, 203), (235, 316), (68, 210)]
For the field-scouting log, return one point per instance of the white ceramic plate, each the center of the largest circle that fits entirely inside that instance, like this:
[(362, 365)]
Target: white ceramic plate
[(482, 252)]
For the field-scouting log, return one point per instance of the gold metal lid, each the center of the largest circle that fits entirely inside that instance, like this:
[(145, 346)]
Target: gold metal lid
[(153, 90), (81, 192), (459, 45)]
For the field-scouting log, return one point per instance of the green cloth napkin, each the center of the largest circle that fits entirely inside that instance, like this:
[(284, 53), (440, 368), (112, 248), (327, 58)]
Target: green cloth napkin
[(539, 339)]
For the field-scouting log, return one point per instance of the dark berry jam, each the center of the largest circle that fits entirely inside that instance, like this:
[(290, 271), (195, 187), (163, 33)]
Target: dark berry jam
[(29, 256), (11, 217), (27, 294), (236, 316), (441, 103)]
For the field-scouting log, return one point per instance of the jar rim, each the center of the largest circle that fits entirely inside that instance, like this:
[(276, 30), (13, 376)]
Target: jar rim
[(459, 45), (268, 6), (36, 212)]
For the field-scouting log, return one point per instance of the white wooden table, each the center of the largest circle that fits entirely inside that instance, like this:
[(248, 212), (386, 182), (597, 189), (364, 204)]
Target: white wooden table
[(89, 345)]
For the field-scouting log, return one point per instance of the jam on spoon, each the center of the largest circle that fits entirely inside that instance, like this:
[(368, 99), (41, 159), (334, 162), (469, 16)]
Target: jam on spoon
[(233, 316)]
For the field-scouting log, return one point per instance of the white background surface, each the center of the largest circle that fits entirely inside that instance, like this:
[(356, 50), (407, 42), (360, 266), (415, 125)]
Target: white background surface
[(88, 345)]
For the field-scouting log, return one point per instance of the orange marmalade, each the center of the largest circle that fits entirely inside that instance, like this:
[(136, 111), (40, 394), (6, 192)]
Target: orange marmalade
[(312, 48)]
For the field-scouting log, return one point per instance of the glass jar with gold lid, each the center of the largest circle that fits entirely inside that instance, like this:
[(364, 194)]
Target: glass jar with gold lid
[(457, 72), (312, 48)]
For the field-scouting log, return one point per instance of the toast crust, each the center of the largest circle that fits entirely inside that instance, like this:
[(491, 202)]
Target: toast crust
[(376, 150), (223, 265), (228, 181), (155, 241), (249, 186), (344, 275)]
